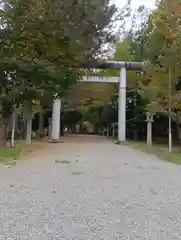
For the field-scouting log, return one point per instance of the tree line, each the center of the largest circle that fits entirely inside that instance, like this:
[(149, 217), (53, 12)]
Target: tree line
[(43, 45), (156, 42)]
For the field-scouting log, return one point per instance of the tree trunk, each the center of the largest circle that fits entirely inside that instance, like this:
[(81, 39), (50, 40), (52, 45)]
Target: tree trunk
[(169, 133), (28, 130), (41, 123), (95, 129), (17, 125), (61, 127), (4, 118), (107, 131), (114, 131), (28, 117), (82, 124), (13, 128), (50, 129), (23, 128), (135, 133), (103, 131), (2, 134), (178, 127)]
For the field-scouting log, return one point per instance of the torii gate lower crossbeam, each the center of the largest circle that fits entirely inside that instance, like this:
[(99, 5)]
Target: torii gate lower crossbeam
[(121, 101)]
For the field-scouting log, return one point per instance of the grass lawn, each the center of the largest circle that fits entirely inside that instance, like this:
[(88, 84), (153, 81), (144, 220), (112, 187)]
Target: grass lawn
[(9, 155), (161, 151)]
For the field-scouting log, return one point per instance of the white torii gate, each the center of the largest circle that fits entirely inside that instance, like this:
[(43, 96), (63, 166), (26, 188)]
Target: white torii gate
[(99, 79), (121, 100)]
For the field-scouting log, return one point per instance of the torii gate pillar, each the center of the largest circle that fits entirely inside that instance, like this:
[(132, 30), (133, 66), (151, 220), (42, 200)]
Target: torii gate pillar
[(56, 120), (122, 106)]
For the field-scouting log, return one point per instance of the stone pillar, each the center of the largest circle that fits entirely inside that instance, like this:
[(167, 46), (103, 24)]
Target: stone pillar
[(56, 120), (149, 130), (122, 107)]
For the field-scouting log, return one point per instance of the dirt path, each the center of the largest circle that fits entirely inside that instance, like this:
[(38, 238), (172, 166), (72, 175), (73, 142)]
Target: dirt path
[(87, 188)]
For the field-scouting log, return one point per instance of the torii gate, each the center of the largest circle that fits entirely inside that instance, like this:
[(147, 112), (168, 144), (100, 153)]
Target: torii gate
[(121, 80)]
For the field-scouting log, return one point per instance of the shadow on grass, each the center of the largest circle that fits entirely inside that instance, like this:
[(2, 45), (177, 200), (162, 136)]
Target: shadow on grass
[(161, 151), (62, 161)]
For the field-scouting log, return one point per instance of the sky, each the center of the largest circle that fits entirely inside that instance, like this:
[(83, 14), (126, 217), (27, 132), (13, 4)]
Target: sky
[(135, 3), (149, 4)]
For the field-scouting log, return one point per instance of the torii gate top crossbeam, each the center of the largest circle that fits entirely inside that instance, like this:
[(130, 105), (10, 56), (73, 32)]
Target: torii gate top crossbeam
[(125, 64), (130, 65)]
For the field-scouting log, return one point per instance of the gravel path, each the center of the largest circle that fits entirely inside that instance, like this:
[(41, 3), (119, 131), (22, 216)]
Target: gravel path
[(87, 188)]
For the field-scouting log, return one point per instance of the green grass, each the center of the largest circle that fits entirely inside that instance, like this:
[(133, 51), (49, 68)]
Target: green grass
[(161, 151), (8, 155)]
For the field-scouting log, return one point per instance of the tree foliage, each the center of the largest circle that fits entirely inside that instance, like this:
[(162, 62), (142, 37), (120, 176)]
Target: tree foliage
[(43, 43), (162, 40)]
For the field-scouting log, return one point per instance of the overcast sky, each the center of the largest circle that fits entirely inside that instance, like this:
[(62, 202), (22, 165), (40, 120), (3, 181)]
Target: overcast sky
[(135, 3), (149, 4)]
